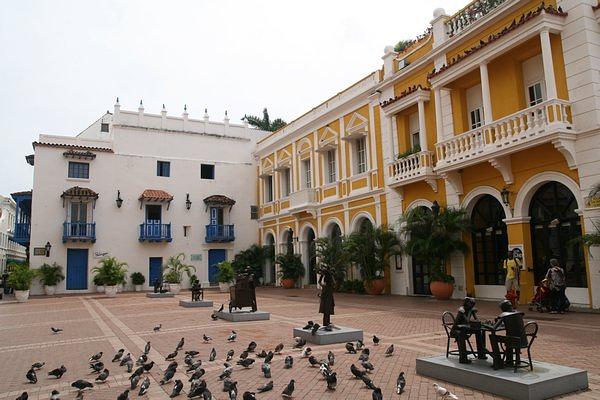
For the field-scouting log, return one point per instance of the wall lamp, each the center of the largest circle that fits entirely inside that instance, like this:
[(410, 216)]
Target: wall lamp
[(188, 203), (119, 199)]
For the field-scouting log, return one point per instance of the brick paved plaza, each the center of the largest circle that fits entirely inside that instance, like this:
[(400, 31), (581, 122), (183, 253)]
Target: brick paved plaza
[(93, 323)]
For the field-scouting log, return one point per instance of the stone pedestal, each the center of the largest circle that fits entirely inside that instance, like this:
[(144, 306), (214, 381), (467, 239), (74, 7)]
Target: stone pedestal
[(153, 295), (192, 304), (240, 316), (339, 334), (545, 381)]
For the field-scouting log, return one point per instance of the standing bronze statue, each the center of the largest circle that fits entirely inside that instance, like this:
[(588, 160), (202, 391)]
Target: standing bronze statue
[(327, 304)]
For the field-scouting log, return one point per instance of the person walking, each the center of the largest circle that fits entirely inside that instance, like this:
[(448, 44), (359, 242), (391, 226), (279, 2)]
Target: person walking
[(512, 266), (558, 285)]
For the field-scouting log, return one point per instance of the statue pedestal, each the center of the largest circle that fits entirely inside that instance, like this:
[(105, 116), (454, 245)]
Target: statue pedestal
[(241, 316), (545, 381), (153, 295), (199, 303), (339, 334)]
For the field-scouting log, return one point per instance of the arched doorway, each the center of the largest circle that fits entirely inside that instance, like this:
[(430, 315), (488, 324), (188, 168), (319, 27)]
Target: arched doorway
[(335, 233), (364, 224), (269, 273), (288, 242), (555, 228), (312, 256), (420, 270), (489, 240)]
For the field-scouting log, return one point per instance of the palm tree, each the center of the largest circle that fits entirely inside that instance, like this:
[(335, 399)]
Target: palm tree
[(253, 257), (371, 249), (331, 256), (265, 122), (174, 269)]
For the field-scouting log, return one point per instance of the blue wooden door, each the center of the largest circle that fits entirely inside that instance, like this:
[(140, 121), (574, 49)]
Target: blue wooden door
[(155, 269), (215, 256), (77, 269)]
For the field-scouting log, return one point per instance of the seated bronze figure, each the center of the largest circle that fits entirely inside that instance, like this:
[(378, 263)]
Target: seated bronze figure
[(243, 293), (197, 292), (465, 324)]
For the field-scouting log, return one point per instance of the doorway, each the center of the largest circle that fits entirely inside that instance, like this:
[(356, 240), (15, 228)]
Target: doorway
[(77, 269), (215, 256)]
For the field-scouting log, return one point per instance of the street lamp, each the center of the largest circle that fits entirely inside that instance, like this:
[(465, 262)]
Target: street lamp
[(48, 246), (119, 199), (435, 207), (188, 203), (505, 196)]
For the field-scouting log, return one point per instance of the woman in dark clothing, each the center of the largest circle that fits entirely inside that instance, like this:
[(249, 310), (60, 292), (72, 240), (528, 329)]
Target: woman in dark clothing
[(558, 285), (327, 304)]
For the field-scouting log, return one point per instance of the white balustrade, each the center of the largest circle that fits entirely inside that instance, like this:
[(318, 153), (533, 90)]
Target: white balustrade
[(412, 166), (469, 14), (303, 198)]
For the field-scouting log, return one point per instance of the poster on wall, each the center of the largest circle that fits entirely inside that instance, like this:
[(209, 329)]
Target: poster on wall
[(517, 250), (101, 254)]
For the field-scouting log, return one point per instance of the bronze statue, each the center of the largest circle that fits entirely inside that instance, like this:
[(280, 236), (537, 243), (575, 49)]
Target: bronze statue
[(327, 304), (197, 292), (467, 323), (512, 321), (243, 293), (158, 286)]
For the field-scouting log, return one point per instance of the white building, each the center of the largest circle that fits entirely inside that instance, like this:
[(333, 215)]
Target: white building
[(143, 187), (9, 250)]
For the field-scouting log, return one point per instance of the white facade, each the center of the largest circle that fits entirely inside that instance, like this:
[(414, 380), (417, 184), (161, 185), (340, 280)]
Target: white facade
[(9, 250), (125, 161)]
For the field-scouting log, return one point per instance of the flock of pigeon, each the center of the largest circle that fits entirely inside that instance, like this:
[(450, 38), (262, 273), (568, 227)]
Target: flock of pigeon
[(140, 381)]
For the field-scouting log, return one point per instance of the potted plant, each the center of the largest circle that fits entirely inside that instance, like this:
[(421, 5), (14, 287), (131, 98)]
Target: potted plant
[(137, 280), (290, 269), (433, 235), (225, 276), (51, 275), (20, 278), (254, 257), (174, 270), (331, 255), (98, 283), (112, 273)]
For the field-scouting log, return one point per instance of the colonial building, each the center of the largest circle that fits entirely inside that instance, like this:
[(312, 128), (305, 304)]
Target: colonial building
[(141, 187), (9, 249)]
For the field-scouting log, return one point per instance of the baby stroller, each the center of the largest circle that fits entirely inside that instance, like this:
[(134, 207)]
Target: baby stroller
[(541, 299)]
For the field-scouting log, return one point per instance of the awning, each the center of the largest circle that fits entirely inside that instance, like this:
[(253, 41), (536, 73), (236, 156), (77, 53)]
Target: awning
[(219, 200), (79, 192), (156, 195)]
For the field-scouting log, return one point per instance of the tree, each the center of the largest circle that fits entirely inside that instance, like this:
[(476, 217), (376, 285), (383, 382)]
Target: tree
[(371, 249), (253, 257), (331, 256), (265, 122), (175, 268)]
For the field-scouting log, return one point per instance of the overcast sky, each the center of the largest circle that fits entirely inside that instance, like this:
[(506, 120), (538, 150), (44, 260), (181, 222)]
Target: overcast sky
[(64, 62)]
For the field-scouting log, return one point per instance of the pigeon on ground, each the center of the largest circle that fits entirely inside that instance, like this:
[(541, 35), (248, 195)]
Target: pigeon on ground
[(246, 363), (244, 354), (299, 342), (23, 396), (233, 394), (226, 372), (197, 389), (331, 381), (79, 395), (206, 338), (214, 315), (97, 367), (325, 369), (142, 359), (199, 373), (248, 396), (56, 330), (188, 360), (96, 357), (31, 376), (266, 387), (232, 336), (356, 372), (124, 395), (171, 356), (103, 376), (80, 384), (350, 348), (38, 365), (169, 374), (266, 370), (375, 340), (330, 358), (308, 325), (289, 390), (192, 353), (148, 367), (251, 347), (367, 366), (377, 395), (278, 348), (125, 359), (147, 348), (144, 387), (228, 384), (180, 344), (139, 371), (312, 360), (230, 354), (157, 328), (306, 352), (262, 354), (135, 379), (368, 382), (176, 389), (364, 355), (359, 344), (400, 383), (213, 355), (390, 350), (443, 392), (129, 365), (289, 362), (55, 395), (314, 329), (207, 395), (194, 366), (117, 357), (173, 365), (269, 357)]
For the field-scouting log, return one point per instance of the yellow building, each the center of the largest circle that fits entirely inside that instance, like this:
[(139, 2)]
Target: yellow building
[(495, 109)]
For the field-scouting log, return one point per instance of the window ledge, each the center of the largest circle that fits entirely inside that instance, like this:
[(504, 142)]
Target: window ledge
[(78, 179)]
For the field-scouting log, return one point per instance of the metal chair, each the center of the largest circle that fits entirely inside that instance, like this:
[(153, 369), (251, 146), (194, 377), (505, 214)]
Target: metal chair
[(516, 344), (448, 323)]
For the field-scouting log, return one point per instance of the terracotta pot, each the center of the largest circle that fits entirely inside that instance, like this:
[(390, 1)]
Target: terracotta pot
[(110, 291), (21, 295), (441, 290), (224, 287), (49, 290), (375, 287), (288, 283)]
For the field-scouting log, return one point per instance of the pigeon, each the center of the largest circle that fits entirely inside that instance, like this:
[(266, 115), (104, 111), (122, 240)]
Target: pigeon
[(55, 330), (176, 389), (79, 395), (169, 374), (289, 389), (144, 387), (243, 355), (188, 360), (232, 336), (300, 342), (269, 357), (192, 353), (356, 372), (375, 340), (246, 363), (367, 366), (233, 394), (213, 355), (194, 366), (350, 348), (199, 373), (124, 395), (148, 367), (306, 352), (262, 354), (80, 384), (103, 376), (251, 347), (147, 348), (359, 344), (173, 365), (289, 362), (265, 388), (38, 365), (197, 389), (117, 357), (248, 396), (58, 372), (129, 365), (206, 338), (55, 395), (228, 384), (221, 308), (207, 395), (95, 357), (390, 350), (266, 369), (308, 325), (23, 396), (226, 372), (312, 360), (331, 381), (364, 355), (157, 328), (400, 383), (171, 356), (97, 367), (214, 316), (325, 369), (278, 348), (443, 392), (314, 329), (31, 376), (230, 354), (377, 395), (139, 371), (180, 344), (368, 382), (135, 379), (142, 359), (330, 358), (125, 359)]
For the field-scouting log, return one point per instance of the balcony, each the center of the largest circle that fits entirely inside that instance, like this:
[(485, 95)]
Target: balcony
[(22, 233), (219, 233), (412, 168), (79, 232), (546, 122), (303, 200), (469, 14), (155, 233)]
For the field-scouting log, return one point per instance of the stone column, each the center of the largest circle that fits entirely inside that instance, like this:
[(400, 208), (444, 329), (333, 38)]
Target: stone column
[(548, 64), (422, 126), (485, 94)]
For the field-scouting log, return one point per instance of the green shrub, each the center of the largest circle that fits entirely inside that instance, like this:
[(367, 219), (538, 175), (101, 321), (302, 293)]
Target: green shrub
[(175, 268), (20, 276), (51, 275), (137, 278), (111, 271), (226, 272), (290, 266)]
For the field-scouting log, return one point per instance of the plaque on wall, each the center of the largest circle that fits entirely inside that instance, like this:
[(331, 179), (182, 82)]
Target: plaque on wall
[(39, 251)]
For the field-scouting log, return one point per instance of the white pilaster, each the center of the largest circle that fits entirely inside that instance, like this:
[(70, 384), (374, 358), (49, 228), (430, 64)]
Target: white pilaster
[(422, 126), (548, 64), (439, 125), (485, 93)]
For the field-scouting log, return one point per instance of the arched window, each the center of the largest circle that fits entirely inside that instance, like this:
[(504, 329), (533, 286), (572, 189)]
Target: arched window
[(312, 257), (489, 241), (289, 241), (364, 225), (336, 233), (420, 270), (270, 258), (555, 228)]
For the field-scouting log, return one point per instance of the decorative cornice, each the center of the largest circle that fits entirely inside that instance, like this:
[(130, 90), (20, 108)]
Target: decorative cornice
[(403, 94), (72, 146)]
